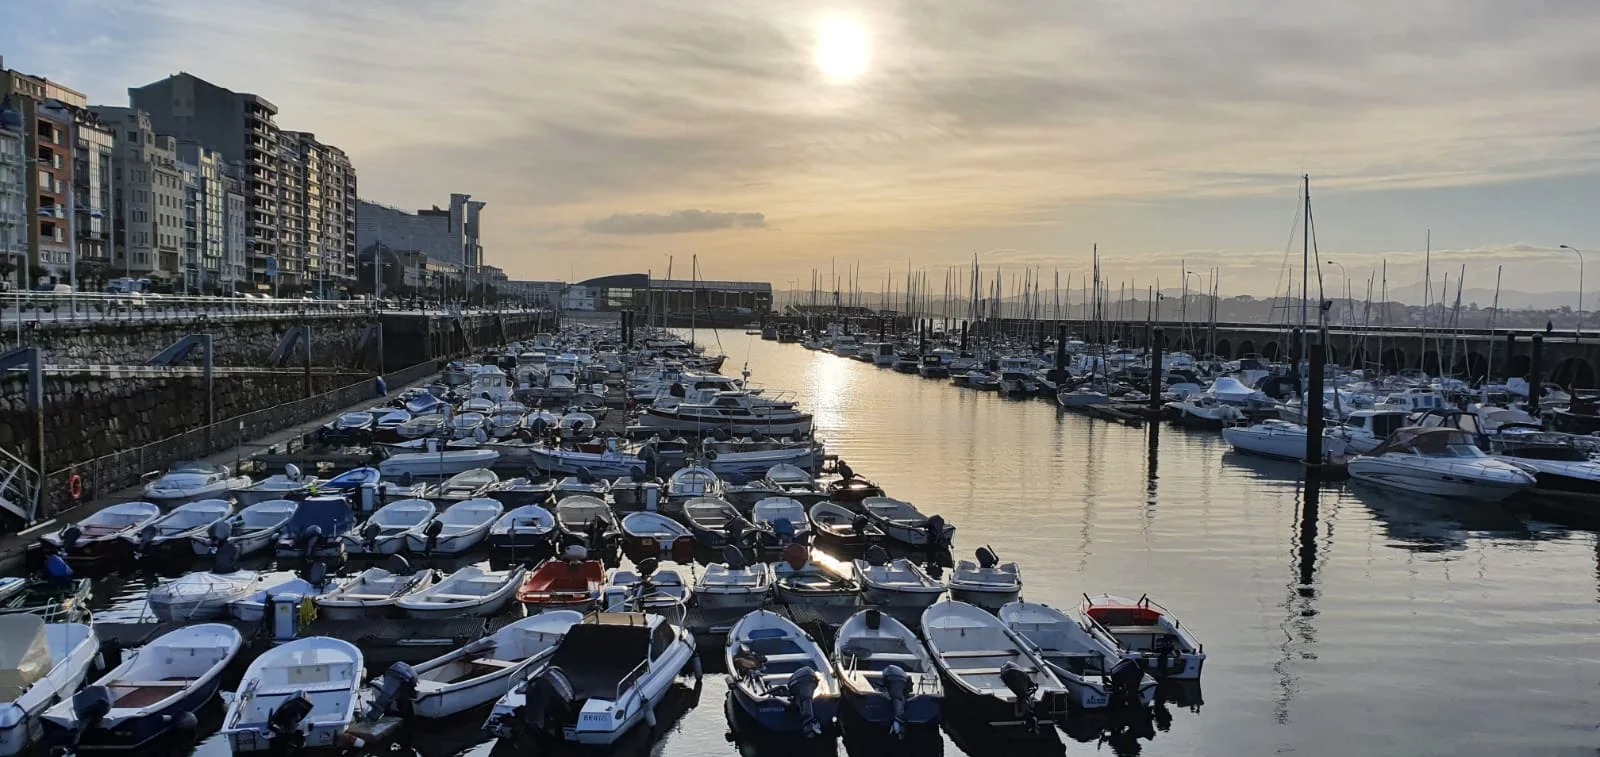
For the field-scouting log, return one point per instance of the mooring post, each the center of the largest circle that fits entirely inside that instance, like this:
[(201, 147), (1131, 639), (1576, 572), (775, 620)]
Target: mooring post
[(1536, 375), (1311, 402), (964, 336), (211, 392), (1156, 343)]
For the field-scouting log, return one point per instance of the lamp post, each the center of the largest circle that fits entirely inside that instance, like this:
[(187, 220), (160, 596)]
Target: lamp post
[(1346, 275), (1580, 286)]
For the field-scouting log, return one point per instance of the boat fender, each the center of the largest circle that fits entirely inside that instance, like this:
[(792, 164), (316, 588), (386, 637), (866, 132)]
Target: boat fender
[(895, 685), (696, 668), (649, 711), (802, 685)]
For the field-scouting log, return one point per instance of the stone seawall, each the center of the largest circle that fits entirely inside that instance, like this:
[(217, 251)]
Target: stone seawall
[(335, 340)]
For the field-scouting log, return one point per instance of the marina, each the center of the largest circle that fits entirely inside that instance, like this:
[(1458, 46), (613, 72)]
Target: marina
[(991, 515)]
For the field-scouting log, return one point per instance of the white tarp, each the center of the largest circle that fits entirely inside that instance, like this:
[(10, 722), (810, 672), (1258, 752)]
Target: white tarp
[(24, 654)]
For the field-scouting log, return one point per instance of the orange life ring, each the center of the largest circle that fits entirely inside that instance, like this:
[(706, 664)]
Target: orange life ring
[(75, 486)]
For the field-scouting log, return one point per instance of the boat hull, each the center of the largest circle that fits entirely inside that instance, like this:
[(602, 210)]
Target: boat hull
[(776, 716), (875, 708), (900, 598), (663, 421), (988, 599), (1437, 484), (135, 732)]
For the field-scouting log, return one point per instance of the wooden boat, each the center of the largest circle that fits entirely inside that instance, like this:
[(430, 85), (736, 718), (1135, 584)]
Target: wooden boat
[(301, 695), (898, 583), (781, 520), (250, 530), (41, 664), (373, 593), (647, 535), (143, 698), (568, 583), (386, 532), (806, 577), (779, 676), (843, 528), (1145, 632), (986, 582), (528, 531), (474, 675), (714, 521), (885, 674), (992, 675), (582, 519), (98, 537), (468, 592), (1094, 673), (903, 523), (459, 528), (179, 525)]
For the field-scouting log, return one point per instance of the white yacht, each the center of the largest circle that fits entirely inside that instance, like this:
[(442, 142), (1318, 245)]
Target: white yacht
[(1280, 440), (1364, 430), (739, 413), (1440, 461)]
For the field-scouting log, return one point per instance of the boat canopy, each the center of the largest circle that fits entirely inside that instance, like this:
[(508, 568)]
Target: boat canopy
[(1430, 442)]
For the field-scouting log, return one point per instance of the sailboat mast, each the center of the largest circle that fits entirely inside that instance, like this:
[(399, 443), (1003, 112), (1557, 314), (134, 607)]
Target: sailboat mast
[(1305, 267)]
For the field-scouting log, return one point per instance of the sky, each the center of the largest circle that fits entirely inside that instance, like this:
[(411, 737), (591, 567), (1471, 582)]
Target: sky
[(771, 138)]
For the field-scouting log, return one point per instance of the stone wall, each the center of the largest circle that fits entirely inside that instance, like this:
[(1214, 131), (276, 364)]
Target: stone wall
[(335, 340)]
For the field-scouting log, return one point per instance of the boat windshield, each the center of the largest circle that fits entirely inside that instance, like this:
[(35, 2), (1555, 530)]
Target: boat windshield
[(194, 466)]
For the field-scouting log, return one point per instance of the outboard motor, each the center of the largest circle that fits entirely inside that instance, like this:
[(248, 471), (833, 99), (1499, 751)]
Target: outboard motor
[(596, 533), (895, 685), (585, 476), (317, 573), (783, 530), (934, 528), (877, 556), (1122, 683), (802, 689), (220, 532), (370, 533), (227, 559), (70, 536), (1023, 688), (732, 556), (987, 558), (89, 707), (310, 541), (283, 724), (398, 565), (434, 528), (548, 704), (397, 691), (860, 524)]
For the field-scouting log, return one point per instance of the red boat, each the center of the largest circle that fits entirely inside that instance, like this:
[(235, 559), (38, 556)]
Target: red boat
[(564, 584)]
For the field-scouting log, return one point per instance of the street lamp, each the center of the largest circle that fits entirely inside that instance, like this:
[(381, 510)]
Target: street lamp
[(1346, 275), (1580, 286)]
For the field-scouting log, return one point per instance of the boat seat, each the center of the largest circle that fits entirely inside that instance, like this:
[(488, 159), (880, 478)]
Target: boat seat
[(889, 657), (979, 653), (454, 597), (360, 597), (964, 672), (494, 662), (793, 657), (174, 684)]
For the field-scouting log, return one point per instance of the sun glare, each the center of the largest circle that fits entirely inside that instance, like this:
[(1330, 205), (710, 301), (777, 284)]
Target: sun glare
[(842, 50)]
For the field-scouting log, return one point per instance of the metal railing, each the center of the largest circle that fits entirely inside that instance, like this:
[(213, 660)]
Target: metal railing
[(119, 470), (88, 307)]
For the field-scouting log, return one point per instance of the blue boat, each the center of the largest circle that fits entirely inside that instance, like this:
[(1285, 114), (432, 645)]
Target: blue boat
[(149, 694), (350, 480), (886, 677), (318, 528), (780, 678)]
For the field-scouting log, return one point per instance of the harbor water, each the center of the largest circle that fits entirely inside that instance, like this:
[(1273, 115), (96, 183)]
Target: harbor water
[(1351, 622)]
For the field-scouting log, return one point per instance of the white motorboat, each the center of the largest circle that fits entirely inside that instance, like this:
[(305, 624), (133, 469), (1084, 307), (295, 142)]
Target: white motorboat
[(1364, 430), (147, 695), (651, 589), (808, 577), (1082, 396), (994, 675), (781, 519), (469, 592), (780, 677), (435, 459), (373, 593), (201, 596), (741, 459), (575, 427), (459, 528), (249, 530), (606, 676), (1146, 633), (740, 413), (903, 523), (41, 664), (1203, 410), (886, 675), (255, 607), (529, 528), (470, 484), (98, 536), (986, 582), (181, 524), (301, 695), (1443, 462), (191, 480), (795, 483), (1555, 460), (1280, 440), (733, 584), (467, 425), (607, 463), (387, 530), (898, 583), (287, 485), (1094, 672), (474, 675)]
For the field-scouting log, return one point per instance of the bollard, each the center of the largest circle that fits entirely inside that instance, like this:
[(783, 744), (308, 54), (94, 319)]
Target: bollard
[(1536, 375), (1511, 352), (1311, 403), (964, 336)]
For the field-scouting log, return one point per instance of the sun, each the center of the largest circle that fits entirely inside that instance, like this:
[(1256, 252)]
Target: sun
[(843, 51)]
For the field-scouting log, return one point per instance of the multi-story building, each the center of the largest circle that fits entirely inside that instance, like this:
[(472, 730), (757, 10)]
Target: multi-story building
[(292, 258), (241, 127), (48, 148), (327, 183), (93, 153), (235, 231), (148, 197), (13, 188), (447, 235), (204, 207)]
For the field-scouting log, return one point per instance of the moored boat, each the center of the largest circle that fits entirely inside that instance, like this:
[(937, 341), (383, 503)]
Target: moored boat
[(386, 531), (780, 677), (374, 592), (571, 582), (992, 675), (1145, 632), (886, 676), (469, 592), (653, 535), (300, 695), (42, 664), (986, 582), (898, 583), (459, 528), (904, 523), (1095, 674)]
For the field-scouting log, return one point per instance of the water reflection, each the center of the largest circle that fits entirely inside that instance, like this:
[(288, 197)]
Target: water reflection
[(1299, 630)]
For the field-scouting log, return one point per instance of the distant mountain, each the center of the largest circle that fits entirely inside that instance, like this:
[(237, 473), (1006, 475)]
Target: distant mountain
[(1510, 299)]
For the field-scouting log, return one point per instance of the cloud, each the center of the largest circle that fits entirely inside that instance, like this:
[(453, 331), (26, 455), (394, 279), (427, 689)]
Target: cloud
[(676, 222)]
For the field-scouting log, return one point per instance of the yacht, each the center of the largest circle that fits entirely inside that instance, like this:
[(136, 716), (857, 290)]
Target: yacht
[(739, 413), (1364, 430), (1556, 462), (1280, 440), (1440, 461)]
